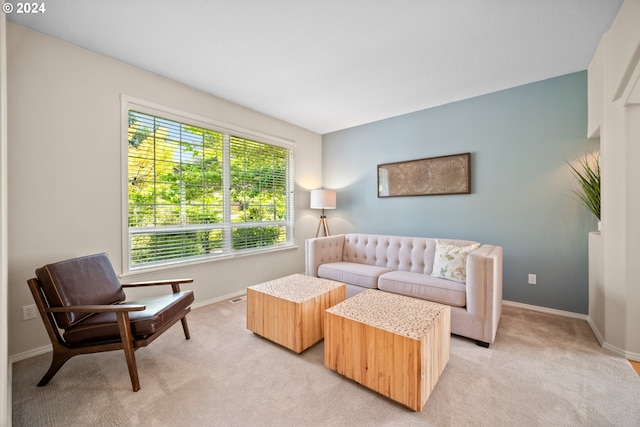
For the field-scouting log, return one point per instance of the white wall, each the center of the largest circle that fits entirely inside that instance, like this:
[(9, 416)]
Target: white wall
[(614, 116), (65, 170), (5, 385)]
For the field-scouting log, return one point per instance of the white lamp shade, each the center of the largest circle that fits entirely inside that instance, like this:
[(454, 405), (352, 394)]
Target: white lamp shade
[(323, 199)]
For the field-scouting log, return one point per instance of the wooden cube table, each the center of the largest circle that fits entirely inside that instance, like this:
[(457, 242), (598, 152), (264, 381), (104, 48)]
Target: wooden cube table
[(393, 344), (290, 311)]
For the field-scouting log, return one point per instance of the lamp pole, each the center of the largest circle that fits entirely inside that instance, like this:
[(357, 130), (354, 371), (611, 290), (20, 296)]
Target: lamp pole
[(324, 224)]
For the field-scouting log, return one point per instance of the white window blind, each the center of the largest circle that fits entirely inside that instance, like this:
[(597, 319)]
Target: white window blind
[(196, 192)]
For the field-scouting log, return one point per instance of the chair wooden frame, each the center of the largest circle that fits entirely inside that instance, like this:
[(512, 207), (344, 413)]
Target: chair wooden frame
[(63, 351)]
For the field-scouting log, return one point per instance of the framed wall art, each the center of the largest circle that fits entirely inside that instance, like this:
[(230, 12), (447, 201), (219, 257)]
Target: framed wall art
[(426, 177)]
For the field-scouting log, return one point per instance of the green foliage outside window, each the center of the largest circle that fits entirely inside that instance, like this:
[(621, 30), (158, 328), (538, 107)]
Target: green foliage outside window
[(176, 191)]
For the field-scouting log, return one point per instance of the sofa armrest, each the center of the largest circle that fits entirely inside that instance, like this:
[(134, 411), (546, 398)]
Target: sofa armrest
[(484, 288), (321, 250)]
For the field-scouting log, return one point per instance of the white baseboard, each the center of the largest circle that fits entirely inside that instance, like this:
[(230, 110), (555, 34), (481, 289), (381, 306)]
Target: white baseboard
[(612, 348), (546, 310), (30, 353), (620, 352), (218, 299)]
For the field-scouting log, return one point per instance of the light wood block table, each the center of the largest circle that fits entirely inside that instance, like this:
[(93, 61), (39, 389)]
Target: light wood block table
[(395, 345), (290, 311)]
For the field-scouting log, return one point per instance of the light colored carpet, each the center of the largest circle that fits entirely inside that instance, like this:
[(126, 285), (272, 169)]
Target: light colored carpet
[(543, 370)]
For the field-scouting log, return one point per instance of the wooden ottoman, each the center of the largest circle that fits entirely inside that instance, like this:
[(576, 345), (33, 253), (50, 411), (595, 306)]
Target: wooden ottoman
[(395, 345), (290, 311)]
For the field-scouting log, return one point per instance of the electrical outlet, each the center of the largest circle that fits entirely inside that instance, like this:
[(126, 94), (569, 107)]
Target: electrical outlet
[(533, 279), (29, 312)]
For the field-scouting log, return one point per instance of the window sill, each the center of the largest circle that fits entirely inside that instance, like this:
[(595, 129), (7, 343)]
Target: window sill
[(186, 264)]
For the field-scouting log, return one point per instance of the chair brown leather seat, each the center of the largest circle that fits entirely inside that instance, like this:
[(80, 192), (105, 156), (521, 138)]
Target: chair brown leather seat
[(84, 298), (104, 326)]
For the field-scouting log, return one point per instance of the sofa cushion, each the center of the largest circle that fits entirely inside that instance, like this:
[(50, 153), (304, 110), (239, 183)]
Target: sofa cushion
[(354, 273), (424, 286), (450, 260)]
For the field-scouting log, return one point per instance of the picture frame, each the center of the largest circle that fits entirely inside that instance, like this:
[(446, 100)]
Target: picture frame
[(432, 176)]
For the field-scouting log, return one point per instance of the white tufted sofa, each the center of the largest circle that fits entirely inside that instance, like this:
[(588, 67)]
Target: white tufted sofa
[(403, 265)]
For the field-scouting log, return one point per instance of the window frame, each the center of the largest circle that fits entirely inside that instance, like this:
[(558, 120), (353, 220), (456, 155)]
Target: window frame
[(130, 103)]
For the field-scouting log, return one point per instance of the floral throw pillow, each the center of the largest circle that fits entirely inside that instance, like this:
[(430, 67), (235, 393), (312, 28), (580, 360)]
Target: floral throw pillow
[(451, 260)]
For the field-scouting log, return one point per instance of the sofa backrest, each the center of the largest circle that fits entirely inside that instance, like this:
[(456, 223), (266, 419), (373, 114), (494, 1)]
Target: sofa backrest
[(414, 254)]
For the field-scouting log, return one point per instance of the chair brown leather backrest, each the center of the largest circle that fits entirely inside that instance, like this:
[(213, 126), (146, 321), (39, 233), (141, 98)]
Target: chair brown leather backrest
[(86, 280)]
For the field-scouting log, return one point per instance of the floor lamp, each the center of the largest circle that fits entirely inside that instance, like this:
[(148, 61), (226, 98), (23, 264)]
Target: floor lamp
[(323, 199)]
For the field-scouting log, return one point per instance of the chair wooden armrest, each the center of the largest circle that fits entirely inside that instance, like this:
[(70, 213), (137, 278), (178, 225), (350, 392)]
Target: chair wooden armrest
[(109, 308)]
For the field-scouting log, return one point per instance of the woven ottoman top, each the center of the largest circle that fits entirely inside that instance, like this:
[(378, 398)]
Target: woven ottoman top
[(406, 316), (297, 287)]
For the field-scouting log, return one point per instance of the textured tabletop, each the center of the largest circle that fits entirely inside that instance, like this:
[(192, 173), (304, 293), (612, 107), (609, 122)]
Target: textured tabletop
[(406, 316), (297, 287)]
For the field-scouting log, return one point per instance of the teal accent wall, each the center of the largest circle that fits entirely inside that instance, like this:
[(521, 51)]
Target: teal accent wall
[(520, 140)]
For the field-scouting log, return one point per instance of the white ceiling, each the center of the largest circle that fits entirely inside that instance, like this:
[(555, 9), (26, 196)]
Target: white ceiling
[(327, 65)]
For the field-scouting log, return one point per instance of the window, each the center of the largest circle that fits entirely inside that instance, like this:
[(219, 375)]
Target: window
[(196, 190)]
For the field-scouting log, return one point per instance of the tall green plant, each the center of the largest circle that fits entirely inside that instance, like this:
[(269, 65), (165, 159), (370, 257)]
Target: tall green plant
[(588, 175)]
